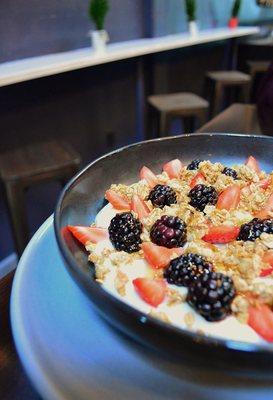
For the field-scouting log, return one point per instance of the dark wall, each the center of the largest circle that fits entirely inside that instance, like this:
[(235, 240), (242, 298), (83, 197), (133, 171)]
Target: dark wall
[(34, 27), (92, 109)]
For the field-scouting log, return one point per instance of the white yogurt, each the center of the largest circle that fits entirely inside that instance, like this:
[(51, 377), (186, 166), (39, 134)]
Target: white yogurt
[(229, 328)]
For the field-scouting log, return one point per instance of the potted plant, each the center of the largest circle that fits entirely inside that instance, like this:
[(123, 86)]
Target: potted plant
[(234, 21), (97, 13), (265, 3), (191, 14)]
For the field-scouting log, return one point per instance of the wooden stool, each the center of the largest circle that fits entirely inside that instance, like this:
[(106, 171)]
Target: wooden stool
[(238, 118), (224, 79), (26, 166), (257, 67), (178, 105)]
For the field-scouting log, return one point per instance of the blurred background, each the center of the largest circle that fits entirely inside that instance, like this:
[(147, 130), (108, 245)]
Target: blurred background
[(107, 104)]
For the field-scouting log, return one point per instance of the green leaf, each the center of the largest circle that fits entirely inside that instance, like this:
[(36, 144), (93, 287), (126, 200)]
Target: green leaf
[(191, 9), (97, 12), (236, 8)]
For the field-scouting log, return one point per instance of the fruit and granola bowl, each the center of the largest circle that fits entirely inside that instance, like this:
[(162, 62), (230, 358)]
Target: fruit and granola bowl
[(183, 247)]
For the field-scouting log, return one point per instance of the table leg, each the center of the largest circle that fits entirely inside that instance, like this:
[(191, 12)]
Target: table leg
[(231, 57), (17, 210)]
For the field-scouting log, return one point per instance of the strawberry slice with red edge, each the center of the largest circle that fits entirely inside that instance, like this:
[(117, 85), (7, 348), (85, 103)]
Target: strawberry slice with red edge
[(85, 234), (229, 198), (159, 256), (266, 272), (173, 168), (267, 208), (260, 318), (117, 201), (263, 183), (267, 258), (221, 234), (253, 164), (197, 179), (139, 207), (152, 291), (148, 176)]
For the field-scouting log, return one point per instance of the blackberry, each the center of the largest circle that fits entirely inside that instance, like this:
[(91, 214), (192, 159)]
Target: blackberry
[(184, 270), (253, 229), (201, 195), (230, 172), (194, 164), (211, 295), (162, 195), (169, 232), (124, 232)]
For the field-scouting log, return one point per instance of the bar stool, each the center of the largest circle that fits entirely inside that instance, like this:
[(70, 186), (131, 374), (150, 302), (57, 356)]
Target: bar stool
[(178, 105), (29, 165), (257, 67), (237, 118), (224, 79)]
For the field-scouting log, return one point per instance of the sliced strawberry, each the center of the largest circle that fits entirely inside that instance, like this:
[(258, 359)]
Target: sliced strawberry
[(268, 258), (149, 176), (267, 208), (159, 256), (197, 179), (86, 234), (263, 214), (173, 168), (139, 207), (264, 183), (152, 291), (260, 319), (117, 201), (253, 164), (266, 271), (229, 198), (221, 234)]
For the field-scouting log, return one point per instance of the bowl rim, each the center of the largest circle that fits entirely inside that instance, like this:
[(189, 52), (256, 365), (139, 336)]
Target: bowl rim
[(207, 340)]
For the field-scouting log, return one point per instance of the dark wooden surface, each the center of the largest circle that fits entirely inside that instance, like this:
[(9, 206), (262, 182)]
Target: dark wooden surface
[(14, 384)]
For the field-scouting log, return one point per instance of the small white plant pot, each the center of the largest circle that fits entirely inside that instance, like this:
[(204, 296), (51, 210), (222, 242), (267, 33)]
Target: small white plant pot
[(193, 28), (99, 40)]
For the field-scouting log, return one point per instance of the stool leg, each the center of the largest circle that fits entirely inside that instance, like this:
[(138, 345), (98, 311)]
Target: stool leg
[(164, 124), (246, 93), (17, 211), (155, 125), (188, 124), (202, 117), (208, 93), (218, 94)]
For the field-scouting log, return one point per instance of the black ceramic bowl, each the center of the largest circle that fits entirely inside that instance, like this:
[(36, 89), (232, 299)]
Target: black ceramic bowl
[(83, 197)]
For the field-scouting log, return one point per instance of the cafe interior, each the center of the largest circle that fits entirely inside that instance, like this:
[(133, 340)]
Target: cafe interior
[(80, 79)]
